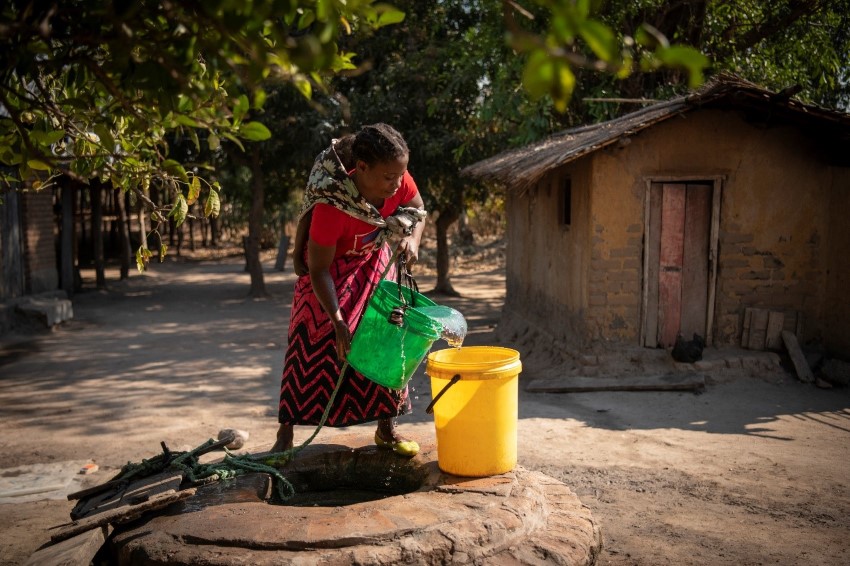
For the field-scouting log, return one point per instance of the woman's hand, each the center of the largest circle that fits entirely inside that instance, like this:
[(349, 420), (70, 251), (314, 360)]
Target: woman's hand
[(343, 339), (299, 264), (409, 246)]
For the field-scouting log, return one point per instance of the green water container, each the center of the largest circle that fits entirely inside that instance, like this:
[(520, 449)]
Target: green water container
[(384, 352)]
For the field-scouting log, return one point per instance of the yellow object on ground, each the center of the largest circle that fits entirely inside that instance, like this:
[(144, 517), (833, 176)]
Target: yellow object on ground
[(476, 418)]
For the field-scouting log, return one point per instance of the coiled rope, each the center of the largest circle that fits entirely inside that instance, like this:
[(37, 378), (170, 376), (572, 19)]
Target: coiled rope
[(233, 465)]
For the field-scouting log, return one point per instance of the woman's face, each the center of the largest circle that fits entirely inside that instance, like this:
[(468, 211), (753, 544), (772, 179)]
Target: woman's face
[(380, 180)]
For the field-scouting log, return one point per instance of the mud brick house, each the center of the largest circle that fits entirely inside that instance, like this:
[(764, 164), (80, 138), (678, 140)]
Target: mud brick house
[(29, 277), (725, 213)]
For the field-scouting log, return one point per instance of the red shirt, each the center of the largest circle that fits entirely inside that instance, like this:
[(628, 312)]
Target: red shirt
[(331, 226)]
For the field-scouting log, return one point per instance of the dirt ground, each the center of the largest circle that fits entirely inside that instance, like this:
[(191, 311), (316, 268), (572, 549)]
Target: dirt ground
[(752, 471)]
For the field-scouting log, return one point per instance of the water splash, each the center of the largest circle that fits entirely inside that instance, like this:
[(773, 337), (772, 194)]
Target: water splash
[(453, 323)]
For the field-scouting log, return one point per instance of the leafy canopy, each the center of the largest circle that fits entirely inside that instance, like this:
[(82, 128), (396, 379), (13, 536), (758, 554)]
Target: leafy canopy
[(94, 88)]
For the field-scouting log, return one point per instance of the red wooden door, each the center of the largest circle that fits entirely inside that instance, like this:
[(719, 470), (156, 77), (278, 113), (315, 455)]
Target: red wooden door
[(680, 219)]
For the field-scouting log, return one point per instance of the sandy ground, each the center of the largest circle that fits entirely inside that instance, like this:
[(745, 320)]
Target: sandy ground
[(753, 471)]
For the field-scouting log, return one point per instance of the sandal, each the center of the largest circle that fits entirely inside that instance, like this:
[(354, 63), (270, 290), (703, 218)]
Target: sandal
[(401, 447)]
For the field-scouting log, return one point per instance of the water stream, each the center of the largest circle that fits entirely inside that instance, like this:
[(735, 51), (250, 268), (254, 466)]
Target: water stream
[(453, 323)]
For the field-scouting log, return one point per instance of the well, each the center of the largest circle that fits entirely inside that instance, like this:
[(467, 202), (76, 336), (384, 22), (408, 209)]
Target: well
[(356, 504)]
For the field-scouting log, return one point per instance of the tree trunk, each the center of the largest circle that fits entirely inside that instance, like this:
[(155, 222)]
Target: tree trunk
[(96, 196), (191, 222), (123, 234), (464, 232), (143, 230), (444, 221), (66, 273), (255, 225), (213, 232)]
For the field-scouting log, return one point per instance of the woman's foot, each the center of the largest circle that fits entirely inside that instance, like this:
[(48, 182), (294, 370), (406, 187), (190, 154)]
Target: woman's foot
[(387, 437), (283, 443)]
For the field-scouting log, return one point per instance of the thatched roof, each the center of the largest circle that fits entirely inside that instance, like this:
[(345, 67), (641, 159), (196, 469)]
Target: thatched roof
[(520, 169)]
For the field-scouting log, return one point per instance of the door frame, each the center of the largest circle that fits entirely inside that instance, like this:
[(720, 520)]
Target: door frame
[(717, 182)]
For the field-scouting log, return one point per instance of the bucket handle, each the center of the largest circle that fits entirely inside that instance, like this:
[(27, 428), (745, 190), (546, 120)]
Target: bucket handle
[(430, 408), (405, 279)]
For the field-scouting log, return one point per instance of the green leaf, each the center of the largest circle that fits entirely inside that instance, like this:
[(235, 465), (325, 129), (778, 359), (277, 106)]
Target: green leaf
[(259, 99), (174, 168), (240, 108), (193, 135), (214, 142), (143, 255), (254, 131), (47, 138), (685, 57), (105, 135), (546, 75), (385, 15), (38, 165), (163, 249), (600, 38), (213, 204), (194, 190), (303, 86), (184, 120), (180, 209), (649, 36)]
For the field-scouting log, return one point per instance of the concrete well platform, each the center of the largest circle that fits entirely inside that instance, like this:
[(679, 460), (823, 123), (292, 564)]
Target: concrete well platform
[(356, 504)]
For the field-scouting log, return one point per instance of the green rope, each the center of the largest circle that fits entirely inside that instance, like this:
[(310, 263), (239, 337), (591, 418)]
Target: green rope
[(232, 465)]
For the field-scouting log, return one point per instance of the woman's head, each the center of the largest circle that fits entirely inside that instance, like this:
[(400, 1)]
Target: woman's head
[(381, 156), (379, 142)]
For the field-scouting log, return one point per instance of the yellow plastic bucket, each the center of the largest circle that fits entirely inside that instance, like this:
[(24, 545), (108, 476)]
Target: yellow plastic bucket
[(476, 417)]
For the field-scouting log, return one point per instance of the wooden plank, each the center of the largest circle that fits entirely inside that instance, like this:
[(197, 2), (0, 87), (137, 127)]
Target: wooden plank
[(135, 492), (688, 382), (804, 372), (670, 273), (712, 259), (75, 551), (758, 330), (111, 484), (695, 261), (653, 255), (775, 324), (121, 514)]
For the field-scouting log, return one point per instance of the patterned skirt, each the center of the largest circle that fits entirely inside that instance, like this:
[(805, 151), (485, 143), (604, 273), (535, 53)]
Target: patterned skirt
[(311, 367)]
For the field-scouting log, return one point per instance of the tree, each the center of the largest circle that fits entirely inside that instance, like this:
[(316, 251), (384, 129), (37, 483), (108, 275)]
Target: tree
[(300, 128), (775, 44), (94, 89), (421, 82)]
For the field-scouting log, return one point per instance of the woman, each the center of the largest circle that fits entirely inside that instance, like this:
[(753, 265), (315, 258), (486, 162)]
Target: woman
[(345, 259)]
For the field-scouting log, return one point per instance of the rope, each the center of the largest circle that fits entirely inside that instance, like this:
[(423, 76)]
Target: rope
[(234, 465)]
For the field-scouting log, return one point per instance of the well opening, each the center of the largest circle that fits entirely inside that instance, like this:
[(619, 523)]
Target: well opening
[(351, 476), (326, 479)]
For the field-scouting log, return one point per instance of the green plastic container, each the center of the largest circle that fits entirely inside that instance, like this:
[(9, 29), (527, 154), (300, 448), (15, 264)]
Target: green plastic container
[(388, 354)]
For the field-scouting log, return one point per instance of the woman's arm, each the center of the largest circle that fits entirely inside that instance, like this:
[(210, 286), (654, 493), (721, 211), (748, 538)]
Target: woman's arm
[(410, 245), (302, 232), (319, 259)]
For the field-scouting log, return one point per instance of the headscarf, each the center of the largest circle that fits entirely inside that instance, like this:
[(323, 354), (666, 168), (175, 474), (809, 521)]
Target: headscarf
[(329, 183)]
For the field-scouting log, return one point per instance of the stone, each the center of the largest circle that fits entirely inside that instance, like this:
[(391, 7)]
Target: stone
[(437, 519)]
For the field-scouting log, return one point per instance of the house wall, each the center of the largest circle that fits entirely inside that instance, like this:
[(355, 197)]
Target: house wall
[(547, 262), (39, 242), (11, 255), (782, 232), (774, 216), (836, 313)]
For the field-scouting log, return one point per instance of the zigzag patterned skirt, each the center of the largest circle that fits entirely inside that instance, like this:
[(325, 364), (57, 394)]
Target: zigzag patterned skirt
[(311, 367)]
